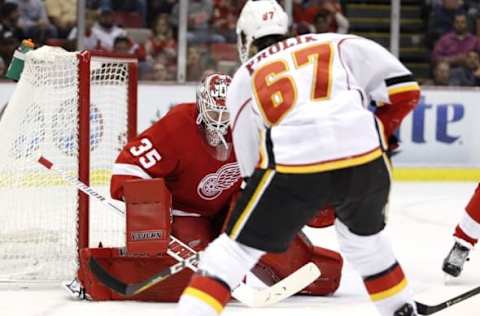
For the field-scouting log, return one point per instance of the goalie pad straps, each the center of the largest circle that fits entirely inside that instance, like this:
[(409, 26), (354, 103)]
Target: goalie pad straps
[(148, 216)]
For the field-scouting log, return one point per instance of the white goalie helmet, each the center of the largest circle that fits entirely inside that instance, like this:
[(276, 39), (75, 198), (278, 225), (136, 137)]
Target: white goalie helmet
[(212, 110), (257, 19)]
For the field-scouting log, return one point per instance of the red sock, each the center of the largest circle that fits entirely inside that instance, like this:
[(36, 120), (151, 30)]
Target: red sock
[(473, 206), (209, 290), (459, 233)]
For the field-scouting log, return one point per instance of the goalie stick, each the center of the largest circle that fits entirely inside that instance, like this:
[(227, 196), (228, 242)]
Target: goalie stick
[(134, 288), (258, 298), (285, 288), (424, 309)]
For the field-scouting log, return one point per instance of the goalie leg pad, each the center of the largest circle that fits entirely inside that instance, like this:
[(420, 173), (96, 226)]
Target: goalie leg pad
[(324, 218), (131, 269), (148, 216), (275, 266), (196, 232)]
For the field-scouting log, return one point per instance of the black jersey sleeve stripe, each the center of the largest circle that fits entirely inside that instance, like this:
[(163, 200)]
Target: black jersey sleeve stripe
[(401, 79), (269, 145)]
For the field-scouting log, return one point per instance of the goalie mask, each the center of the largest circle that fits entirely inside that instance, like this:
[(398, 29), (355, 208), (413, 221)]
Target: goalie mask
[(212, 110), (258, 19)]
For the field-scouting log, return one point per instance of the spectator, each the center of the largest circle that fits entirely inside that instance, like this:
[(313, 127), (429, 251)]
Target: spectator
[(157, 7), (308, 11), (454, 46), (34, 20), (158, 73), (10, 33), (91, 39), (441, 20), (473, 13), (199, 16), (441, 74), (63, 14), (468, 75), (322, 21), (125, 45), (339, 23), (163, 40), (195, 64), (138, 6), (224, 19), (105, 29)]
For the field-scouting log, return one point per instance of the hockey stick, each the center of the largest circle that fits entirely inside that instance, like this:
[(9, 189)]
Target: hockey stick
[(424, 309), (295, 282), (251, 297), (134, 288)]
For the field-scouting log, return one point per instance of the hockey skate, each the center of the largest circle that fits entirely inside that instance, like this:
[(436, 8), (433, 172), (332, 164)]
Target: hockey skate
[(453, 263), (406, 310)]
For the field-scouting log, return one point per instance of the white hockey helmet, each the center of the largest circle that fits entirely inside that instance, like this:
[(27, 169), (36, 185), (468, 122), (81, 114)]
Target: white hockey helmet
[(212, 110), (257, 19)]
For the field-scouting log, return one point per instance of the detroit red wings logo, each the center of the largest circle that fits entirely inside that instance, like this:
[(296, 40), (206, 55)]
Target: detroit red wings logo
[(213, 184)]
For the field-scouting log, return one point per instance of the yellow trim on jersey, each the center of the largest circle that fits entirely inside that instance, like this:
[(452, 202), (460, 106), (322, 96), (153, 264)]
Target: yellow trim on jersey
[(331, 165), (390, 292), (381, 131), (262, 185), (388, 163), (410, 87), (204, 297)]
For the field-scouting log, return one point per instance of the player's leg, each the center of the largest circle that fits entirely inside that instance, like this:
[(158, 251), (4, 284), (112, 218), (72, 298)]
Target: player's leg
[(360, 222), (466, 235), (268, 215)]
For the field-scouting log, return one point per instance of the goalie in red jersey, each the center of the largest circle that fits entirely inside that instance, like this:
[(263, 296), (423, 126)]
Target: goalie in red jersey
[(180, 177)]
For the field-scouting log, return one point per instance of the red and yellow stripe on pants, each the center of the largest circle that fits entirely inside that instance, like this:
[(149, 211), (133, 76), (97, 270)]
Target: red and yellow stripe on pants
[(386, 284), (209, 291)]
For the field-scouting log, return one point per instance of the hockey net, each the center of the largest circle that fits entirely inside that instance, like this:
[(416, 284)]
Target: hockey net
[(77, 110)]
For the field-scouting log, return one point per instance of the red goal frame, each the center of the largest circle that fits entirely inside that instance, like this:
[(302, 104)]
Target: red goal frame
[(85, 59)]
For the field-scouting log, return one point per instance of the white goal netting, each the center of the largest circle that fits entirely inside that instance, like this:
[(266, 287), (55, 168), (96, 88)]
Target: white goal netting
[(38, 210)]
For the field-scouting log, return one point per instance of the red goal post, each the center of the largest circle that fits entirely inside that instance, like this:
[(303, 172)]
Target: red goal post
[(78, 110)]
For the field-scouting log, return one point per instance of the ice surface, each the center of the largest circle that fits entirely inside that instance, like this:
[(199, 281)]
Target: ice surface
[(422, 216)]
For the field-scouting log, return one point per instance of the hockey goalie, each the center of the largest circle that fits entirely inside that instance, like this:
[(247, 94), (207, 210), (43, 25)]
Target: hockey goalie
[(179, 178)]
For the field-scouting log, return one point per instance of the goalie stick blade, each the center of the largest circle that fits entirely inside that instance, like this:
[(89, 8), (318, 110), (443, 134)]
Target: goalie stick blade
[(107, 279), (424, 309), (130, 289), (281, 290)]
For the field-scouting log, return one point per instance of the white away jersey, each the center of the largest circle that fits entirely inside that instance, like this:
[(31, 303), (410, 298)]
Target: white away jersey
[(300, 105)]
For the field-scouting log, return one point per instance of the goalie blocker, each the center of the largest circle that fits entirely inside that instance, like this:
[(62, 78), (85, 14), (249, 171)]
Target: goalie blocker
[(149, 224)]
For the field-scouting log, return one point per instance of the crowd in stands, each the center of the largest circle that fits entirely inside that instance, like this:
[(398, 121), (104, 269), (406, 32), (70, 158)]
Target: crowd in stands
[(148, 29), (453, 33)]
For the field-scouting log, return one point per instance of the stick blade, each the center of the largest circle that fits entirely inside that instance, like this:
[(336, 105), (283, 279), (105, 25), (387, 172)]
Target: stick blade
[(423, 309), (106, 278), (281, 290)]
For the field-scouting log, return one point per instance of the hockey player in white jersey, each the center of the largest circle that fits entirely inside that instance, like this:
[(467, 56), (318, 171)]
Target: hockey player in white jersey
[(304, 138)]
